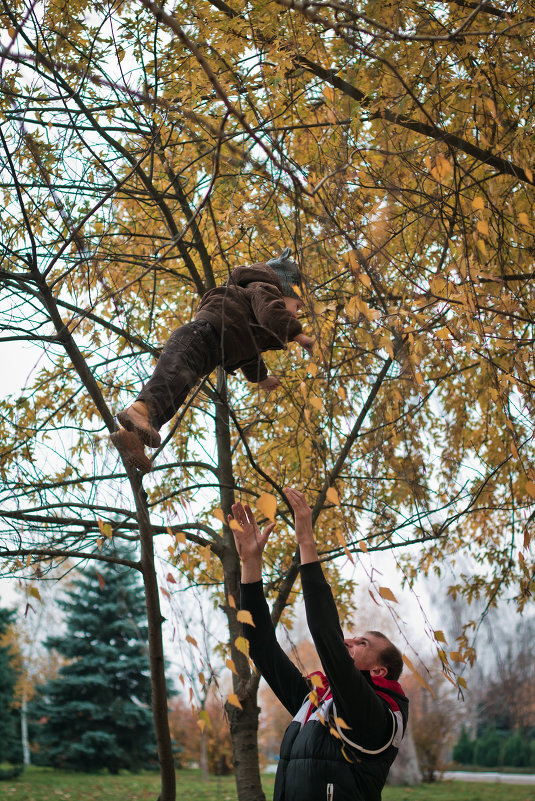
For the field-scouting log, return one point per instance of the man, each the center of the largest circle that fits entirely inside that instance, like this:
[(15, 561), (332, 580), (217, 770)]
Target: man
[(348, 724)]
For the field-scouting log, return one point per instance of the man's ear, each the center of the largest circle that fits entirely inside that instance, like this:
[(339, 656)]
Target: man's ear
[(379, 672)]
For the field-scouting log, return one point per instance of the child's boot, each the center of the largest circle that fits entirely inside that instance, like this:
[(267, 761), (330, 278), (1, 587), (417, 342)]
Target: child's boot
[(131, 448), (136, 418)]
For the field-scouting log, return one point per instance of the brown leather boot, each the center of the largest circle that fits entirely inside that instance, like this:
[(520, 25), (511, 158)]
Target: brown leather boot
[(136, 418), (131, 449)]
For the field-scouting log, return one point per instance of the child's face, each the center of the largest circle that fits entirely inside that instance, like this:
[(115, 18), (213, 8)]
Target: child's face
[(293, 305)]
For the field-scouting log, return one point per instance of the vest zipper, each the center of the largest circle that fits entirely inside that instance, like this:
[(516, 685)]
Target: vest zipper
[(330, 792)]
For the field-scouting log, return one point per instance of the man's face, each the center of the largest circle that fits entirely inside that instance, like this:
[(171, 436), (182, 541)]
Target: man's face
[(365, 651), (293, 305)]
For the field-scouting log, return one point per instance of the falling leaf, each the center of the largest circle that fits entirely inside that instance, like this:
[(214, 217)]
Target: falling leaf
[(332, 496), (231, 666), (34, 592), (242, 644), (387, 594), (234, 700), (244, 616), (267, 504)]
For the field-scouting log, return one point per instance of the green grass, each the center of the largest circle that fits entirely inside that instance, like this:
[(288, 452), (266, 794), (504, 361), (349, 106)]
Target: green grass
[(45, 784)]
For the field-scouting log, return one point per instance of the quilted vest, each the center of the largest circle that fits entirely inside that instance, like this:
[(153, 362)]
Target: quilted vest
[(319, 762)]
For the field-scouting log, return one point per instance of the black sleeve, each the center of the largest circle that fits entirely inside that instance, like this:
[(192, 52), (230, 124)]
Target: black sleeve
[(286, 681), (356, 700)]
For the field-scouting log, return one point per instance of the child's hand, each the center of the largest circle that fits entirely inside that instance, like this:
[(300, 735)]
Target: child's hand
[(306, 342), (269, 383)]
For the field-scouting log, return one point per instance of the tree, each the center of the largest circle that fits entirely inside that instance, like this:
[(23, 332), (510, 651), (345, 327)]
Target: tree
[(463, 750), (10, 736), (391, 144), (488, 747), (96, 713)]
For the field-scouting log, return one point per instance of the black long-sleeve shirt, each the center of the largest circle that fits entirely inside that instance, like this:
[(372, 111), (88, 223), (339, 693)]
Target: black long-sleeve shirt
[(356, 701)]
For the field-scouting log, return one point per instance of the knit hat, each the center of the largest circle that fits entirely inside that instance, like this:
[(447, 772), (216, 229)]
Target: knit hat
[(287, 272)]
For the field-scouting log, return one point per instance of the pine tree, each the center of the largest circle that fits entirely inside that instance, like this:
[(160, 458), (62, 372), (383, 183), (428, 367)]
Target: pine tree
[(10, 738), (97, 713)]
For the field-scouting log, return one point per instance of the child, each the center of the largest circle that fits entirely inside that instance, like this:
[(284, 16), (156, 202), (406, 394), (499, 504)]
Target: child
[(256, 310)]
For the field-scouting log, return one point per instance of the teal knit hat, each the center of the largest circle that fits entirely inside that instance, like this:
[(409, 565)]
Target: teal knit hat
[(287, 272)]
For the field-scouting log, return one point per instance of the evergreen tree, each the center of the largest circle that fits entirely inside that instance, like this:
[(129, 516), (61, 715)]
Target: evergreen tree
[(10, 737), (487, 751), (463, 750), (516, 751), (97, 713)]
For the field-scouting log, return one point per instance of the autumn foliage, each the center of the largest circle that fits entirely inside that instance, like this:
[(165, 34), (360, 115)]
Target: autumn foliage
[(146, 151)]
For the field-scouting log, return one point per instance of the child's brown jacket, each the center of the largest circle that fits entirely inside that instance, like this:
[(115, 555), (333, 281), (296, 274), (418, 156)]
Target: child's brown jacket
[(250, 316)]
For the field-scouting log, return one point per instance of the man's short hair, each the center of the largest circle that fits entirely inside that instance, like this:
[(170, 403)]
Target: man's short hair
[(391, 657)]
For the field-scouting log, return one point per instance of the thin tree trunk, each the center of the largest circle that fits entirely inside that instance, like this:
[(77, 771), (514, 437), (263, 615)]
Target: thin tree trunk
[(156, 655), (243, 722), (204, 756), (24, 730)]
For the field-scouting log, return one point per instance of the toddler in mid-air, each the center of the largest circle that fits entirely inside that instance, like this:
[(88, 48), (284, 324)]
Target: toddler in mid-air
[(256, 310)]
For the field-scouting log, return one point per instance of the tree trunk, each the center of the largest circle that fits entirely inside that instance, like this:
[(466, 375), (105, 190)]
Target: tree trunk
[(24, 731), (244, 734), (243, 722), (156, 656), (204, 756)]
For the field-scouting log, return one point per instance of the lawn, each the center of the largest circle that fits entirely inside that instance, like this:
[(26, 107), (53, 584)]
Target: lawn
[(45, 784)]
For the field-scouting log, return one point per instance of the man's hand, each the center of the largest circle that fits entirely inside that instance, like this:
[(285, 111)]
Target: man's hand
[(306, 342), (269, 383), (303, 525), (250, 542)]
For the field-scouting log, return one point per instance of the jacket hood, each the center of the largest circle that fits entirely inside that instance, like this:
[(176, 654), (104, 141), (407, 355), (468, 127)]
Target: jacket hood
[(242, 276)]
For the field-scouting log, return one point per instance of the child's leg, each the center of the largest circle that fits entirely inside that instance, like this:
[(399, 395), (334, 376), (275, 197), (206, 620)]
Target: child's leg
[(192, 351)]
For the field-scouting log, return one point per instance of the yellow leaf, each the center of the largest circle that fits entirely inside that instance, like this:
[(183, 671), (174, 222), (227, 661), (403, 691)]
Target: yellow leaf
[(342, 394), (439, 636), (235, 526), (242, 644), (105, 529), (530, 488), (478, 203), (267, 504), (191, 640), (363, 546), (387, 594), (482, 227), (328, 94), (523, 218), (317, 403), (340, 722), (100, 542), (332, 496), (231, 601), (483, 248), (180, 538), (456, 656), (315, 680), (231, 666), (529, 174), (244, 616), (313, 369), (416, 675), (218, 514), (461, 682), (234, 700), (34, 592)]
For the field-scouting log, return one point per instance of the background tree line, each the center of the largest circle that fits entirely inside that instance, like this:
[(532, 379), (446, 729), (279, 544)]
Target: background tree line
[(146, 152)]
